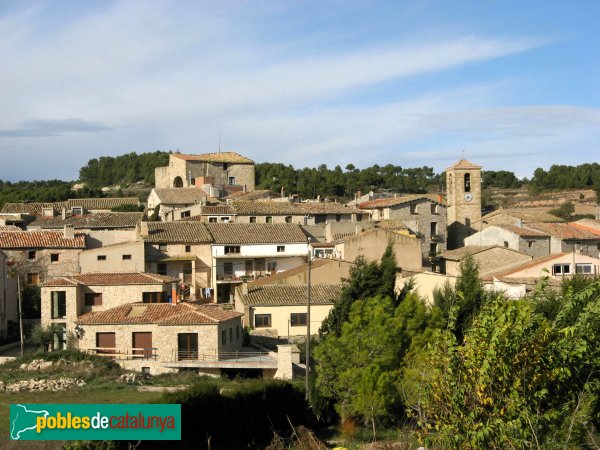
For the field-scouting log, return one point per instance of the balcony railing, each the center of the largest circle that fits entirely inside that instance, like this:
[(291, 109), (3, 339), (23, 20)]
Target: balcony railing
[(127, 354), (238, 356), (240, 278)]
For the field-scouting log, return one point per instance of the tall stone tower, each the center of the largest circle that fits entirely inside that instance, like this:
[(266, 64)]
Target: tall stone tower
[(463, 200)]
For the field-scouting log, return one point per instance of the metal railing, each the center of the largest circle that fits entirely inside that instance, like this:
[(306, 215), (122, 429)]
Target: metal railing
[(237, 356), (149, 353)]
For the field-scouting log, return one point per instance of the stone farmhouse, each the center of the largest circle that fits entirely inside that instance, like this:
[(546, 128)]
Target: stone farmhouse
[(227, 171)]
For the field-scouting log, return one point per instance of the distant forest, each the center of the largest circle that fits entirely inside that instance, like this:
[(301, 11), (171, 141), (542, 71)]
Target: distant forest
[(308, 182)]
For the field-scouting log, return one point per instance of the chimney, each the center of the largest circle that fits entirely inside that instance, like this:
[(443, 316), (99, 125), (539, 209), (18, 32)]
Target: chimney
[(69, 232), (245, 190), (359, 195), (143, 229), (520, 223), (282, 192), (440, 198), (64, 213), (174, 293), (245, 288)]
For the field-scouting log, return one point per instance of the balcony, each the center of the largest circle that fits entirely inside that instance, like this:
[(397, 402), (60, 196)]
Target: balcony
[(437, 238), (234, 278), (125, 354)]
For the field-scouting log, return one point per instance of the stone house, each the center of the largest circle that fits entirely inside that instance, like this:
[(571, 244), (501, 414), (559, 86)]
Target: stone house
[(123, 257), (281, 310), (8, 297), (372, 243), (270, 211), (181, 250), (246, 251), (555, 266), (42, 255), (571, 237), (66, 298), (489, 259), (70, 208), (422, 215), (523, 239), (101, 228), (153, 338), (176, 203), (228, 171)]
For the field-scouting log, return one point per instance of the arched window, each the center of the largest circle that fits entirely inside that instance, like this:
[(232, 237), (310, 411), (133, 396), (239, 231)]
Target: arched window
[(467, 182), (177, 182)]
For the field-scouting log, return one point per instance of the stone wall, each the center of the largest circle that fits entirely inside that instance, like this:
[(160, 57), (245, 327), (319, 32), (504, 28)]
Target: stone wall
[(535, 247)]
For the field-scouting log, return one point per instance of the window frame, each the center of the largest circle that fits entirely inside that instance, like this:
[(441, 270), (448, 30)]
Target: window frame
[(56, 297), (298, 319), (265, 321), (92, 299)]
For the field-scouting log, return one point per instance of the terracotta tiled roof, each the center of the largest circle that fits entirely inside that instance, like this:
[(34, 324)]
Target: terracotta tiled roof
[(91, 221), (589, 224), (463, 164), (256, 233), (101, 203), (286, 295), (9, 228), (286, 208), (391, 224), (33, 209), (40, 239), (112, 279), (224, 157), (527, 265), (252, 195), (525, 231), (460, 253), (218, 210), (180, 196), (526, 215), (178, 232), (565, 231), (387, 202), (161, 314)]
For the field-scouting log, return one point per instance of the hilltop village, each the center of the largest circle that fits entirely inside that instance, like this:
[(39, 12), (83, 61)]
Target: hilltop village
[(178, 285)]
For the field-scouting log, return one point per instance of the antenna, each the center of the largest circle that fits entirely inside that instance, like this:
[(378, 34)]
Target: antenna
[(462, 154), (219, 141)]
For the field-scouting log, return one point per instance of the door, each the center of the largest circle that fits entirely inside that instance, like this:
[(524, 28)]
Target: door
[(142, 344), (187, 346), (106, 343)]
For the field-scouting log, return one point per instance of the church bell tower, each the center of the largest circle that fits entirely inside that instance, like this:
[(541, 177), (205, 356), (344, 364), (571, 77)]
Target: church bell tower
[(463, 200)]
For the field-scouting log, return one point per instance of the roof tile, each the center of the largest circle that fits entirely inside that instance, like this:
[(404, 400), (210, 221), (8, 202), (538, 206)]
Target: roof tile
[(40, 239), (288, 295)]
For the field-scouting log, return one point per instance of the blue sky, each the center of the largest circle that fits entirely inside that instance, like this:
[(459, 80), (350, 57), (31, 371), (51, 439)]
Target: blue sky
[(513, 84)]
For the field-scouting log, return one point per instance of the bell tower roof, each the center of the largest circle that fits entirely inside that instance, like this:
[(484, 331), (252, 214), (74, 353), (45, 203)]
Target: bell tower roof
[(463, 164)]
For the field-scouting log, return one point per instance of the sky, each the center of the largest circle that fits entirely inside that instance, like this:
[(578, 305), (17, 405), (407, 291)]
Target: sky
[(511, 85)]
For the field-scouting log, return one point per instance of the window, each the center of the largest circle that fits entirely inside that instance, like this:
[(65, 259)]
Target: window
[(161, 269), (230, 335), (561, 269), (468, 222), (105, 342), (101, 257), (163, 247), (187, 272), (93, 299), (298, 319), (185, 214), (288, 219), (585, 269), (54, 257), (359, 217), (338, 217), (188, 248), (228, 268), (433, 248), (505, 244), (187, 346), (153, 297), (229, 249), (212, 220), (77, 211), (262, 320), (433, 228), (31, 254), (269, 219), (60, 337), (434, 209), (280, 248), (272, 266), (231, 181), (237, 332), (529, 244), (467, 182), (252, 219), (223, 337), (225, 166), (225, 219), (126, 257), (59, 304), (413, 208), (33, 278)]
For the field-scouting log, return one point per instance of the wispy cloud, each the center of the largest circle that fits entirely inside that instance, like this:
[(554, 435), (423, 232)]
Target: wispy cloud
[(48, 127)]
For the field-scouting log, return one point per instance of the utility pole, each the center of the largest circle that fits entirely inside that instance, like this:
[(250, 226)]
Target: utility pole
[(308, 328)]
